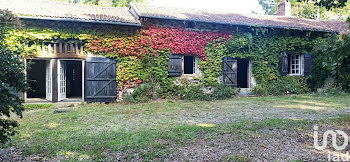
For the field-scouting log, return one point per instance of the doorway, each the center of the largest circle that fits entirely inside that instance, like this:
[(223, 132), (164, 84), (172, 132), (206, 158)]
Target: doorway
[(70, 77), (42, 76), (74, 78), (243, 73)]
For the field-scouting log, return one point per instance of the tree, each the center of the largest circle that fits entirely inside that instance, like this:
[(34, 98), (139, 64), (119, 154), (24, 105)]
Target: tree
[(269, 6), (328, 4), (332, 57), (312, 9), (12, 79)]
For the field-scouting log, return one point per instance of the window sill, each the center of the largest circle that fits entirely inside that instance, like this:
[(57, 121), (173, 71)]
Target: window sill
[(189, 75), (295, 75)]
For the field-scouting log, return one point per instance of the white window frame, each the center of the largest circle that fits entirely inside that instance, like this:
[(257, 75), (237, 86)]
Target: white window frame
[(295, 65), (195, 65)]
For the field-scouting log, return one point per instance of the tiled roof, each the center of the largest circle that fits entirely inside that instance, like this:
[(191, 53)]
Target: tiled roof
[(45, 9), (223, 17)]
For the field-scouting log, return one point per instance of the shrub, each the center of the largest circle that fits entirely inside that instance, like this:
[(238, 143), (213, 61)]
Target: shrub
[(282, 86), (195, 93), (332, 58), (222, 91), (145, 93), (331, 91), (142, 93)]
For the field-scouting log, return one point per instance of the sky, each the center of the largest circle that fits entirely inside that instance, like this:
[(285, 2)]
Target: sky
[(239, 6)]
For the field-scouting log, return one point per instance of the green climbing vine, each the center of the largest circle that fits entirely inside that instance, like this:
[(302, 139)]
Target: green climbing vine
[(265, 51), (144, 59)]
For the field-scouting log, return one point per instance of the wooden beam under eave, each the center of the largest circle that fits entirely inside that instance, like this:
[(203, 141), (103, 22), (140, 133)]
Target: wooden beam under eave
[(76, 49), (71, 49), (62, 56), (60, 48), (65, 49)]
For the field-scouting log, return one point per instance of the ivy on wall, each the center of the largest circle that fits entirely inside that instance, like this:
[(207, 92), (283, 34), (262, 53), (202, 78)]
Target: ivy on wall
[(149, 39), (142, 55), (266, 52)]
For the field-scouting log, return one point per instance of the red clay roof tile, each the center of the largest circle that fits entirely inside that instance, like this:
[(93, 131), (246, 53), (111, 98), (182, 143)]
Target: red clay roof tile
[(223, 17), (60, 10)]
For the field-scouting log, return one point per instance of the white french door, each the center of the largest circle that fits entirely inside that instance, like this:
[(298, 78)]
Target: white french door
[(49, 80), (62, 80)]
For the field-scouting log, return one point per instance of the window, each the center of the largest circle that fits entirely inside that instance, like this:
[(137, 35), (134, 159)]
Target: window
[(295, 65), (189, 65), (189, 24)]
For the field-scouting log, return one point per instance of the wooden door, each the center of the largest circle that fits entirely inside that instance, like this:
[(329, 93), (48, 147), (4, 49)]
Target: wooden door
[(229, 71), (48, 80), (100, 79), (62, 80)]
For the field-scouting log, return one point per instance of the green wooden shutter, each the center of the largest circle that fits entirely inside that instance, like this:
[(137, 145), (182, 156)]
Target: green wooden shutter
[(175, 65), (307, 64), (284, 64)]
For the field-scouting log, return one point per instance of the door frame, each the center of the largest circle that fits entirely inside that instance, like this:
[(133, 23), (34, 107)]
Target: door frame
[(50, 64), (49, 59), (82, 74), (25, 95), (61, 69)]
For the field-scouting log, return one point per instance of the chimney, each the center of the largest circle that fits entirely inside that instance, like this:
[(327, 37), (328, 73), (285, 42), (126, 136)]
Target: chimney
[(284, 8)]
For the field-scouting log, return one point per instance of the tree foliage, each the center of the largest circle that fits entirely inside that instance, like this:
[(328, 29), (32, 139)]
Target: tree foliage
[(309, 9), (332, 59), (269, 6), (12, 80)]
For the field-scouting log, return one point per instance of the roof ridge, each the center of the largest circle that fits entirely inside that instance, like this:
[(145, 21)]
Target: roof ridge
[(233, 18), (243, 14), (76, 4), (54, 10)]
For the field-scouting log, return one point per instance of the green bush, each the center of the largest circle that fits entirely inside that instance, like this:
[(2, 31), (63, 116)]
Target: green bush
[(283, 86), (145, 93), (142, 93), (222, 91), (331, 59), (195, 93), (331, 91)]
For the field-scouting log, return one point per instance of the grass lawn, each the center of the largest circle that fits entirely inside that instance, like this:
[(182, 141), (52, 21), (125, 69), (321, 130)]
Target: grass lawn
[(238, 129)]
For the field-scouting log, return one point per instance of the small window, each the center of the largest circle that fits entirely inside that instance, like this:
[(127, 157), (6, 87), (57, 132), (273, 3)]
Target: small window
[(295, 65), (189, 24), (189, 65)]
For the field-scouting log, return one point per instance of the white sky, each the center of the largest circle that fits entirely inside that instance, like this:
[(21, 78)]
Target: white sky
[(239, 6)]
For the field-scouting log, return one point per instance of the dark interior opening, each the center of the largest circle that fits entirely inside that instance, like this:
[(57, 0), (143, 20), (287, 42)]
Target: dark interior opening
[(242, 73), (74, 79), (36, 74), (189, 24), (188, 64)]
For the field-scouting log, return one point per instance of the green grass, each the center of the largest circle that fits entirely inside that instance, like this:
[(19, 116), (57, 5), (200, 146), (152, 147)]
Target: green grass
[(36, 106), (151, 129)]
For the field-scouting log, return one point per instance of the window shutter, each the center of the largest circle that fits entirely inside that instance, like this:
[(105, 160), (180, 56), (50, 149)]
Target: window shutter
[(307, 64), (175, 65), (284, 64)]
